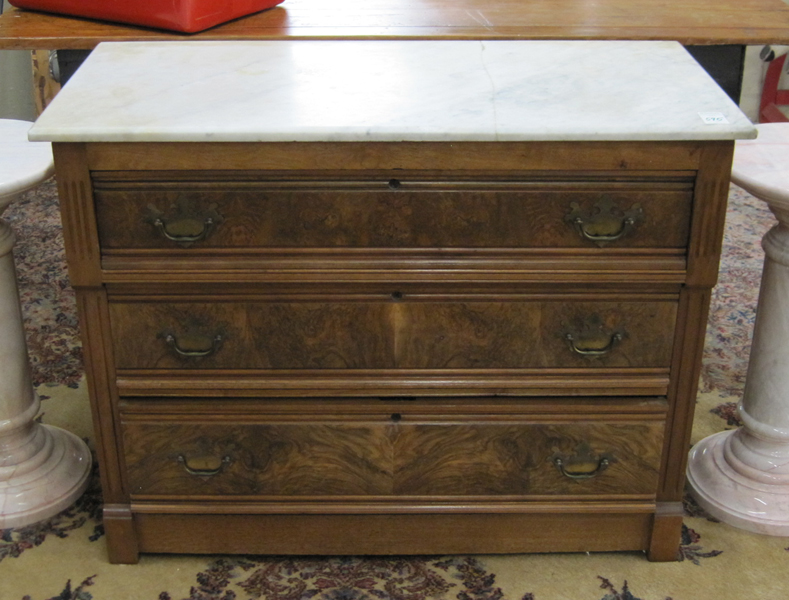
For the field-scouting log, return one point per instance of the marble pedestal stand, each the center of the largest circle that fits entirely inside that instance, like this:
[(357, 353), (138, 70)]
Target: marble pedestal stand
[(43, 469), (742, 477)]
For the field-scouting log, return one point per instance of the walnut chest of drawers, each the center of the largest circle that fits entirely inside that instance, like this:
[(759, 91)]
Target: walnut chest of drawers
[(387, 343)]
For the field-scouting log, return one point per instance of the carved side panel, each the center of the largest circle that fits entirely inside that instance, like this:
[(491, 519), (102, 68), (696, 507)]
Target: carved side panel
[(709, 214), (711, 196), (100, 374), (685, 369), (76, 208)]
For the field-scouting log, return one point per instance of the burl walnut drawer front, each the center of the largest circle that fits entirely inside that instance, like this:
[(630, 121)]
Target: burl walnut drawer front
[(392, 213), (387, 333), (392, 455)]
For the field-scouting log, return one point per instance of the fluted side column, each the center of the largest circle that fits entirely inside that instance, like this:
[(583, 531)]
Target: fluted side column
[(742, 476), (43, 469)]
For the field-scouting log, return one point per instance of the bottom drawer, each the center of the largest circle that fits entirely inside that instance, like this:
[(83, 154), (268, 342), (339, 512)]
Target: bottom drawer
[(409, 453)]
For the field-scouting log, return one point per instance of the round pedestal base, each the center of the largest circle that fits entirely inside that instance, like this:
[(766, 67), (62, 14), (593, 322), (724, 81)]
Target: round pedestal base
[(731, 497), (52, 486)]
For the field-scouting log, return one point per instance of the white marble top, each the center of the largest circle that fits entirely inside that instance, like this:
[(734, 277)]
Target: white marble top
[(23, 164), (761, 166), (391, 91)]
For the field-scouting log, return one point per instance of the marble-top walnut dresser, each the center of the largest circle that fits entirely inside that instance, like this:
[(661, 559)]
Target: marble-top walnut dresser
[(392, 297)]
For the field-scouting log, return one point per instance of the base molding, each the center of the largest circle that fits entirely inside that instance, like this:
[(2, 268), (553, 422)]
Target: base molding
[(385, 534)]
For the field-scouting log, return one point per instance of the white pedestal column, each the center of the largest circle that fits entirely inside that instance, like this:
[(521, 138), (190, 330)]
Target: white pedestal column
[(43, 469), (742, 477)]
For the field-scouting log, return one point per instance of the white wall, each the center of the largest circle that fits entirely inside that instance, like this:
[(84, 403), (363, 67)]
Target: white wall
[(16, 84)]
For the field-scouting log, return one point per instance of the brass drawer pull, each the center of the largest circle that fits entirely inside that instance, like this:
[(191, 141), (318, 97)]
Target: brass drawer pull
[(590, 337), (590, 350), (194, 346), (627, 224), (583, 464), (602, 465), (185, 225), (204, 471), (606, 222)]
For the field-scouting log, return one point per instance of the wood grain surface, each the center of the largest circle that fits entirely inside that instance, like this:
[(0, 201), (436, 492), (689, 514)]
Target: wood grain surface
[(387, 456), (392, 333), (493, 459), (394, 213), (365, 379), (277, 459), (619, 529), (697, 22)]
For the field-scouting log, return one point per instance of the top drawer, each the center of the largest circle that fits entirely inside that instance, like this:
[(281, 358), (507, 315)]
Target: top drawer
[(391, 213)]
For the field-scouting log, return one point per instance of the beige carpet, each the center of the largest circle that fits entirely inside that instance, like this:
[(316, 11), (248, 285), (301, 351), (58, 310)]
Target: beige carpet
[(65, 558)]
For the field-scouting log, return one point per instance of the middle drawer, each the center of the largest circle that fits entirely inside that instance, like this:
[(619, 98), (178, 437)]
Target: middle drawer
[(391, 333)]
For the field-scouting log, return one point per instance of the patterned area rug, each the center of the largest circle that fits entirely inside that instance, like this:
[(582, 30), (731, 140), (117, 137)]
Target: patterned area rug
[(64, 558)]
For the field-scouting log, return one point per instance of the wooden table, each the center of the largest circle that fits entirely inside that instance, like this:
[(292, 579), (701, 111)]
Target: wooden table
[(716, 32), (692, 22)]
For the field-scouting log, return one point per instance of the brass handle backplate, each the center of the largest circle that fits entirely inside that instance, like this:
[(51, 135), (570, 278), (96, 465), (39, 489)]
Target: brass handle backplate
[(205, 468), (184, 223), (591, 338), (585, 348), (602, 465), (196, 231), (192, 345), (605, 222), (583, 464)]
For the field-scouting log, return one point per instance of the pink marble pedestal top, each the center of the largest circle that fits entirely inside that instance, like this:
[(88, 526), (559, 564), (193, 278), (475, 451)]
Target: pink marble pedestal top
[(761, 166)]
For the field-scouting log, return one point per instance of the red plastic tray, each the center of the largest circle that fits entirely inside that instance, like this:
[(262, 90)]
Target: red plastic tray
[(177, 15)]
